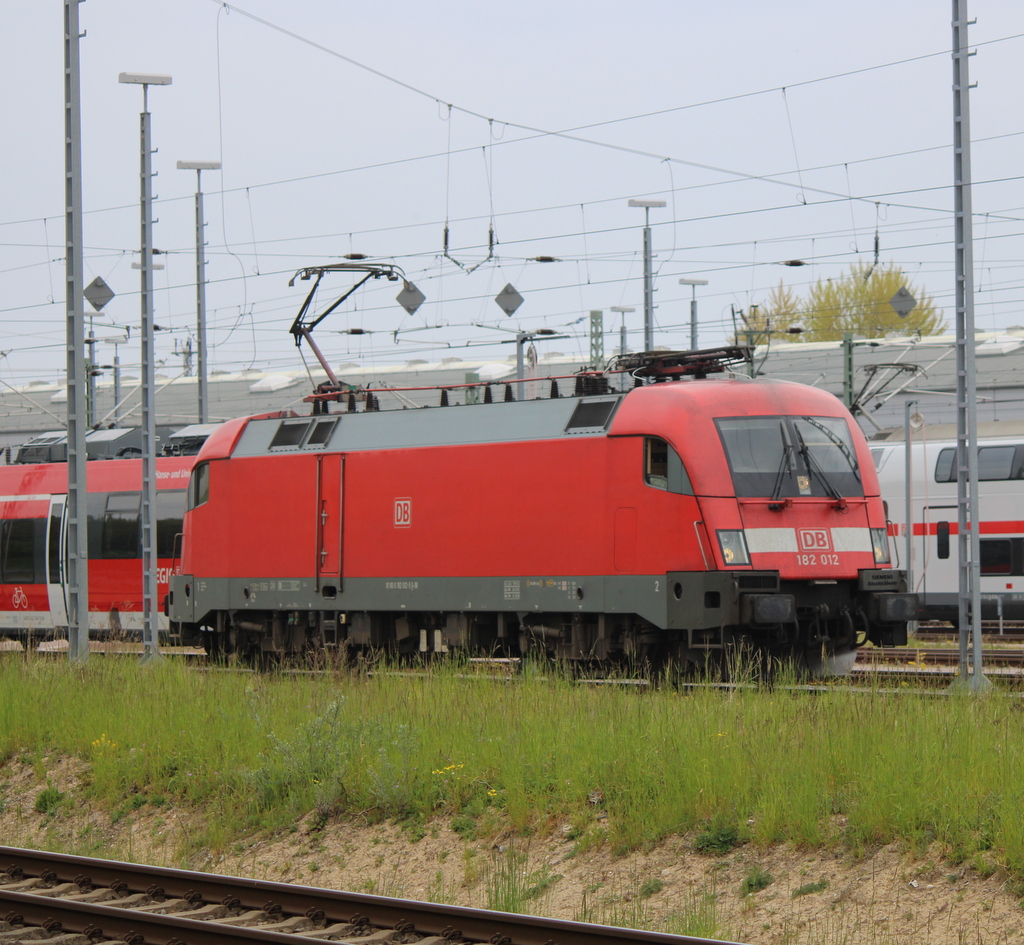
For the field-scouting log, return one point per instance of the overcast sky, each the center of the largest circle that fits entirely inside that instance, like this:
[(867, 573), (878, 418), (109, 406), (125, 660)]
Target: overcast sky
[(774, 131)]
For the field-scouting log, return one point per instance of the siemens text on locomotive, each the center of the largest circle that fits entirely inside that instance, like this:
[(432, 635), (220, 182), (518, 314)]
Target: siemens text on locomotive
[(663, 525)]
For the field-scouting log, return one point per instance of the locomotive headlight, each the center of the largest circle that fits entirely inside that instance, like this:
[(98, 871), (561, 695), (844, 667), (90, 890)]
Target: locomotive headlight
[(880, 544), (734, 546)]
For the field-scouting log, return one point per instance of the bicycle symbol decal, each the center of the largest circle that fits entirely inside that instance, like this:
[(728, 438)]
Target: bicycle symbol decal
[(19, 599)]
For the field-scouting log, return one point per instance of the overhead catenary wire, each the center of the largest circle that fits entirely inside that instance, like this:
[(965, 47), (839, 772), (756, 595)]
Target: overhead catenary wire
[(674, 221), (569, 133)]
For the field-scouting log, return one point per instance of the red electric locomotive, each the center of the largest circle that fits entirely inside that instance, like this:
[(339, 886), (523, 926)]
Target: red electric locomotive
[(668, 523)]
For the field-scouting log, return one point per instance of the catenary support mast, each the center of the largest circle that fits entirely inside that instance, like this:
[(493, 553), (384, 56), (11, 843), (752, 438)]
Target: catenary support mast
[(77, 540), (968, 513)]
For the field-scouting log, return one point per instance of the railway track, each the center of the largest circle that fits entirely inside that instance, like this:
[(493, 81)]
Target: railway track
[(56, 899), (941, 656)]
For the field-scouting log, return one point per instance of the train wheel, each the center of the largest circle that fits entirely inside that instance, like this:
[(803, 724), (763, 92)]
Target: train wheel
[(213, 643)]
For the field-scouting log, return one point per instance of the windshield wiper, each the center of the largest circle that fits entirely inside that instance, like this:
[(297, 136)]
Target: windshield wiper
[(784, 467), (813, 466), (843, 448)]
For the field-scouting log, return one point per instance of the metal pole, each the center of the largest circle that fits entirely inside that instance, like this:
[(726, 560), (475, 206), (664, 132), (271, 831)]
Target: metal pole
[(968, 512), (597, 339), (848, 369), (909, 496), (77, 536), (201, 298), (117, 388), (648, 285), (521, 338), (199, 167), (693, 283), (91, 371), (149, 562)]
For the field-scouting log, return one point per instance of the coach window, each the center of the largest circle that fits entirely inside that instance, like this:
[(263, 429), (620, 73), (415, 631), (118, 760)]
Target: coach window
[(170, 508), (995, 463), (663, 468), (121, 526), (199, 487), (19, 549), (996, 556)]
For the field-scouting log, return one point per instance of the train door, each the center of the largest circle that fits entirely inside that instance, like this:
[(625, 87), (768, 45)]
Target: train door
[(936, 570), (330, 467), (56, 556)]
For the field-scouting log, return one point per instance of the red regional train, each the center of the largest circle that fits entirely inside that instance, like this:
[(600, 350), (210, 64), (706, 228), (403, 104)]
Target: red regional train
[(33, 539), (663, 525)]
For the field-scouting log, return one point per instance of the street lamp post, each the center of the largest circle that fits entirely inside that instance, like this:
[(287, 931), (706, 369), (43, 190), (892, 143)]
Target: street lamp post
[(693, 283), (648, 278), (116, 341), (148, 512), (199, 167)]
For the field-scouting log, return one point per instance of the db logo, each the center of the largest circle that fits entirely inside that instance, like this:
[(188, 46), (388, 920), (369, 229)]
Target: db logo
[(19, 599), (403, 513), (814, 539)]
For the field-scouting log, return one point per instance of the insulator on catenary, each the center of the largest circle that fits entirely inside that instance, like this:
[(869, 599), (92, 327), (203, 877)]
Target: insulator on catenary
[(488, 397), (554, 390), (509, 396), (444, 397), (351, 401)]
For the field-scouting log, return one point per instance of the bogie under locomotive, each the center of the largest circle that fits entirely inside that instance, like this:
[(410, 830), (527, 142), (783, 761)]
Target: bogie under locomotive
[(667, 524)]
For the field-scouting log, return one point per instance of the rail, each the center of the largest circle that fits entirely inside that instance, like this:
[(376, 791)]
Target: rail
[(47, 896)]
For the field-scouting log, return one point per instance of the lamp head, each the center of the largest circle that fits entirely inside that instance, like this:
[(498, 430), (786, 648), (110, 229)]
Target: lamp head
[(143, 78)]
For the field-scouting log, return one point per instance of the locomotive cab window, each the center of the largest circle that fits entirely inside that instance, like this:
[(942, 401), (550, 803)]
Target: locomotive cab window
[(199, 487), (781, 457), (663, 469)]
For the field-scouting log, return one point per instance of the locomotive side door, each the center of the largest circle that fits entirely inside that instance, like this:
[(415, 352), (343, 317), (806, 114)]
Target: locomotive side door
[(330, 468), (56, 556)]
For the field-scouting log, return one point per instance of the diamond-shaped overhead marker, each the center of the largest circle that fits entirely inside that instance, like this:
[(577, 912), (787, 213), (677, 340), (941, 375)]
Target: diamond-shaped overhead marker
[(410, 298), (98, 293), (903, 302), (508, 299)]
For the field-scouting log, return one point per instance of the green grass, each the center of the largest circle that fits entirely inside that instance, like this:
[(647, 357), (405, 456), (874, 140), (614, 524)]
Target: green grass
[(48, 801), (756, 880), (257, 752), (809, 888)]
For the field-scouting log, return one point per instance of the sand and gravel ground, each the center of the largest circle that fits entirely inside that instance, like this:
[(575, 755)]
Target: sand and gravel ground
[(884, 896)]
